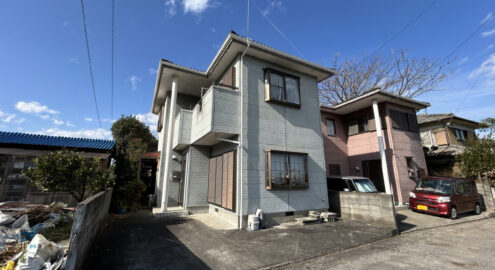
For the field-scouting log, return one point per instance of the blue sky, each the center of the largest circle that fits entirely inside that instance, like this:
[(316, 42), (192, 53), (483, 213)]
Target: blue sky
[(45, 84)]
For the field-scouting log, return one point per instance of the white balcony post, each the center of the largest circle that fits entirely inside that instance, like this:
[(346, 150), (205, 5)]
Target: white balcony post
[(381, 145), (168, 150)]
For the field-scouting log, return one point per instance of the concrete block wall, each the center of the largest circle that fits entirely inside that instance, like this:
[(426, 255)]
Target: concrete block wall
[(87, 224), (273, 126), (487, 196), (373, 208)]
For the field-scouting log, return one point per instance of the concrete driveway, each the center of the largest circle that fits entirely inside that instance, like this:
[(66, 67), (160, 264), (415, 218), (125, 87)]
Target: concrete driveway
[(468, 245), (140, 241), (409, 221)]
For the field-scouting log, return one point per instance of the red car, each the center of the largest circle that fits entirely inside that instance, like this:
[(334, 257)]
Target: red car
[(445, 196)]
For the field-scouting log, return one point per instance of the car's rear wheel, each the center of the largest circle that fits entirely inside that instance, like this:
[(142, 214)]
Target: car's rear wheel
[(453, 213), (477, 209)]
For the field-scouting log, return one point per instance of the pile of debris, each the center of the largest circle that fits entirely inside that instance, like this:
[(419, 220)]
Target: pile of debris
[(317, 217), (24, 229)]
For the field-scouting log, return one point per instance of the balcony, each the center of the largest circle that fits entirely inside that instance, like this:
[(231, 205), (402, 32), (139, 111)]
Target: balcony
[(215, 116)]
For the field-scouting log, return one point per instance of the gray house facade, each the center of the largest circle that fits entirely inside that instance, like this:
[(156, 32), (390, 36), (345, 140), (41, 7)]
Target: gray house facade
[(243, 135)]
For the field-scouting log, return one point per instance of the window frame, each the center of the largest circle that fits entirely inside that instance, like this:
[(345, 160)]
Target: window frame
[(267, 72), (408, 117), (287, 186), (461, 134), (233, 71), (359, 120), (333, 124)]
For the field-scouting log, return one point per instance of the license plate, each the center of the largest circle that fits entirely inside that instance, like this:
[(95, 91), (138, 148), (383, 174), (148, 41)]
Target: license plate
[(422, 207)]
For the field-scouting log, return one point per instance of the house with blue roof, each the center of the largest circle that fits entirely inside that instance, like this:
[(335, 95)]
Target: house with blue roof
[(18, 151)]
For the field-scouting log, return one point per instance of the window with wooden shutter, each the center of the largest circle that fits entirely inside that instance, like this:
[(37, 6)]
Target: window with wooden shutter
[(221, 180), (228, 78), (286, 170)]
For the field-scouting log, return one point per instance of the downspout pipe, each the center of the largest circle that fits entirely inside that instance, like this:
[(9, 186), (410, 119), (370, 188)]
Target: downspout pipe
[(241, 139)]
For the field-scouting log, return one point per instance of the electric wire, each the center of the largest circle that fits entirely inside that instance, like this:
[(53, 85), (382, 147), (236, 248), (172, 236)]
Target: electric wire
[(91, 67)]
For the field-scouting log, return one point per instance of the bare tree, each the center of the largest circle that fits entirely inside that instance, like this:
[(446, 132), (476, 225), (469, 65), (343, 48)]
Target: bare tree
[(397, 73)]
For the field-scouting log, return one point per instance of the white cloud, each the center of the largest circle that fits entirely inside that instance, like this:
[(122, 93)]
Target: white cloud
[(149, 119), (488, 33), (213, 29), (486, 70), (463, 60), (107, 120), (44, 116), (271, 6), (82, 133), (58, 122), (34, 107), (195, 6), (170, 7), (88, 119), (69, 124), (10, 118), (152, 71), (487, 18), (134, 80), (74, 60)]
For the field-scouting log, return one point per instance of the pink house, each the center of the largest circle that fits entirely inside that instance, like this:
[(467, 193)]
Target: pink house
[(356, 144)]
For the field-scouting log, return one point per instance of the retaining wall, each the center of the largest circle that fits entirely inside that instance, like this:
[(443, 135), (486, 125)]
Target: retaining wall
[(87, 224), (373, 208)]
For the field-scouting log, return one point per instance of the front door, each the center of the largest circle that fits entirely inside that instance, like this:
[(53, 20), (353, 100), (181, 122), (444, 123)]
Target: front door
[(373, 170), (180, 199)]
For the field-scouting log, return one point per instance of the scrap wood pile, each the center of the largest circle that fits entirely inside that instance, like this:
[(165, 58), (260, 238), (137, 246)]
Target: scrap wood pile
[(24, 229)]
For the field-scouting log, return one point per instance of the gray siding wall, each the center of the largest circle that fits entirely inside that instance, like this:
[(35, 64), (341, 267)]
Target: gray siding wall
[(183, 102), (198, 176), (273, 126)]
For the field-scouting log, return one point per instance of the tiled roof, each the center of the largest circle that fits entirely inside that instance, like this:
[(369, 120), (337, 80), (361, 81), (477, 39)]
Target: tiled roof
[(425, 118), (54, 141)]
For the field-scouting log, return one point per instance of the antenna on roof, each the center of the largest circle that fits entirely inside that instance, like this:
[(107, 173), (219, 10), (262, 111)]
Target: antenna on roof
[(247, 24)]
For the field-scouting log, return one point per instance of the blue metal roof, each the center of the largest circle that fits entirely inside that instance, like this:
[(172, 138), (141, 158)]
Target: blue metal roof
[(54, 141)]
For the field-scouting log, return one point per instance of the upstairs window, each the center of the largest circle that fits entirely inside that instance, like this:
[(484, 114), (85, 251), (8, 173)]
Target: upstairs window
[(460, 134), (228, 79), (330, 127), (286, 170), (361, 124), (404, 121), (282, 88)]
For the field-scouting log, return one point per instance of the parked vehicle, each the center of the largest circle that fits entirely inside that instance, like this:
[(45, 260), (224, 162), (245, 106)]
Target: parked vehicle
[(351, 183), (445, 196)]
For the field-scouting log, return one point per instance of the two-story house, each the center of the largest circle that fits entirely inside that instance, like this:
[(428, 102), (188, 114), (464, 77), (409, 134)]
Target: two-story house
[(387, 151), (243, 135), (444, 136)]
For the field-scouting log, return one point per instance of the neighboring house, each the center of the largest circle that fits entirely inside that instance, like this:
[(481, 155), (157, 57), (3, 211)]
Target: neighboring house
[(242, 135), (444, 136), (352, 144), (18, 151)]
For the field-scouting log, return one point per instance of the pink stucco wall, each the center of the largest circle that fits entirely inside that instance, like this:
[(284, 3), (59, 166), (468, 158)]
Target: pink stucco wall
[(351, 151)]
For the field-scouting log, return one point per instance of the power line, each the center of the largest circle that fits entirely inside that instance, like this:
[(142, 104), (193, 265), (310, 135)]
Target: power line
[(278, 30), (423, 12), (113, 23), (91, 67)]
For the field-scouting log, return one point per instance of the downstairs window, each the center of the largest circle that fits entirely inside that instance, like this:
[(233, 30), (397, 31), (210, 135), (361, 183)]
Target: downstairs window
[(286, 170)]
